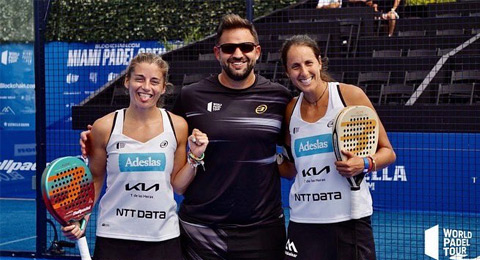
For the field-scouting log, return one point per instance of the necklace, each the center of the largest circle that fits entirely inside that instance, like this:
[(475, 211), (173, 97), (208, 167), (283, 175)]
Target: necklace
[(315, 102)]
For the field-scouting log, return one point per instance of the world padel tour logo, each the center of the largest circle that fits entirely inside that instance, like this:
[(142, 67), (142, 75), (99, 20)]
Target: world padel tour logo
[(141, 162), (8, 57), (212, 106), (455, 243)]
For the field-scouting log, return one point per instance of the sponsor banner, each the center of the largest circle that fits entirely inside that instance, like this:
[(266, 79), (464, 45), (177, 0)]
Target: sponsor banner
[(17, 87), (18, 158), (17, 164), (433, 172), (82, 68)]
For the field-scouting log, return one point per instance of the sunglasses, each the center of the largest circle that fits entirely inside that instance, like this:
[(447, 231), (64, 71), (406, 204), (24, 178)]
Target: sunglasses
[(230, 48)]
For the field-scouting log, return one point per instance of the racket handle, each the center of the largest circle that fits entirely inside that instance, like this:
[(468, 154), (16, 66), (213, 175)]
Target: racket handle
[(83, 248), (355, 211)]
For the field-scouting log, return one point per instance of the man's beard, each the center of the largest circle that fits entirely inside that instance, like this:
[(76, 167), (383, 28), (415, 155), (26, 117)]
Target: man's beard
[(234, 74)]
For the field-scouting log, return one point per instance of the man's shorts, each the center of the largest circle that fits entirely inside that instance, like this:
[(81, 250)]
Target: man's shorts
[(264, 242)]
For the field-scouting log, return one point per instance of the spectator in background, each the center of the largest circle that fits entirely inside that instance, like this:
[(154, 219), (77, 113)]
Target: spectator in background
[(391, 16), (380, 11), (329, 4), (369, 3)]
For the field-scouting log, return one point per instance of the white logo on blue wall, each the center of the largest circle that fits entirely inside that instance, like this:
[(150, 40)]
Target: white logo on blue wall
[(112, 76), (72, 78), (4, 57), (455, 243), (93, 77), (9, 57), (27, 56), (141, 162), (7, 110), (313, 145)]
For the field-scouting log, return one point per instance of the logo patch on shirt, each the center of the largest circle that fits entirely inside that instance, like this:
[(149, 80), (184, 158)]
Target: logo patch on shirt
[(212, 106), (141, 162), (261, 109), (120, 145), (163, 144), (330, 123), (313, 145)]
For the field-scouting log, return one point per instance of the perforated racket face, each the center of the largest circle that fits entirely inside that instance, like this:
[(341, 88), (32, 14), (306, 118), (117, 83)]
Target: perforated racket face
[(67, 189), (356, 130)]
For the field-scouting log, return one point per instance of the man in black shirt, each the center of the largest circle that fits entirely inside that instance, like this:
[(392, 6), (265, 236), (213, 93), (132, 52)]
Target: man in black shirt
[(232, 209)]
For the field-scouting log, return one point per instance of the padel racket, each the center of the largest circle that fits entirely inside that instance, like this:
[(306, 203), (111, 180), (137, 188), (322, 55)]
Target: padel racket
[(69, 194), (356, 130)]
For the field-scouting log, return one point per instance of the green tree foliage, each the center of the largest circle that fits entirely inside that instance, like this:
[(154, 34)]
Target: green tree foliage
[(127, 20), (16, 21), (124, 20)]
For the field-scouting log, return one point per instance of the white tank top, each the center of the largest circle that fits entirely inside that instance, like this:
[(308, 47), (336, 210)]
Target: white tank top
[(138, 203), (320, 194)]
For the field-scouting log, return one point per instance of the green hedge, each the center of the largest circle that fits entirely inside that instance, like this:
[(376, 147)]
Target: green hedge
[(124, 20), (127, 20), (426, 2), (16, 21)]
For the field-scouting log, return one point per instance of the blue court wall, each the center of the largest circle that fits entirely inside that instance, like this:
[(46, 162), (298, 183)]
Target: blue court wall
[(433, 172)]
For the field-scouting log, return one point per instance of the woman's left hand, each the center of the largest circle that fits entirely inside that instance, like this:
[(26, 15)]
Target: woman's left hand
[(353, 166)]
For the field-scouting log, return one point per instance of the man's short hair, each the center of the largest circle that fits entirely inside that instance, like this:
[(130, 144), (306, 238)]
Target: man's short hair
[(233, 21)]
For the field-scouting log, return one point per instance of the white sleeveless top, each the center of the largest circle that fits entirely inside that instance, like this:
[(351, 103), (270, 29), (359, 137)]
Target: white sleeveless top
[(138, 203), (320, 194)]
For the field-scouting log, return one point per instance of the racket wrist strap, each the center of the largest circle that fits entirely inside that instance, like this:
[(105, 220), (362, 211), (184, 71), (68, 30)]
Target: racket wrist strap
[(287, 153), (366, 163)]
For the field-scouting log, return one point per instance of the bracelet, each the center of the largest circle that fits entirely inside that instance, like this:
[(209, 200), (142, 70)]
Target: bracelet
[(195, 164), (366, 164), (370, 164), (191, 155), (195, 161), (374, 164)]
